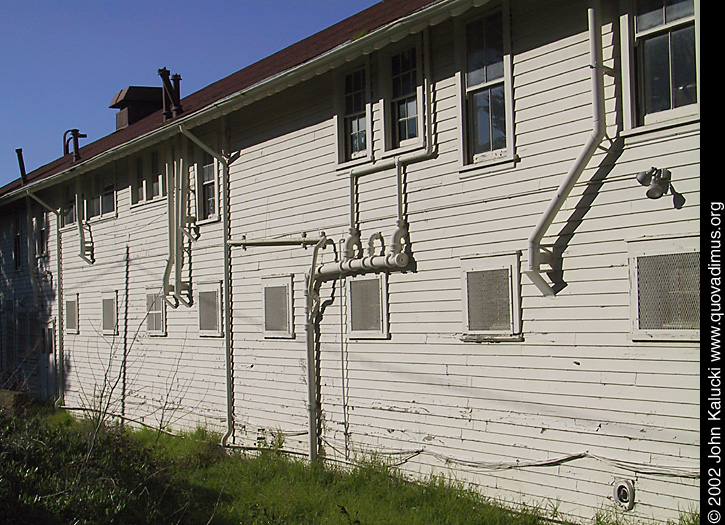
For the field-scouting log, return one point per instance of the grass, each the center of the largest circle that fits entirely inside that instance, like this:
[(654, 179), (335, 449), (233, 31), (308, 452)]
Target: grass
[(55, 469)]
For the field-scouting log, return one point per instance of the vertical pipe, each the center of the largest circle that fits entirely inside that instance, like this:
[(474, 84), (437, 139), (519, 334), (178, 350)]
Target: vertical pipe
[(585, 155)]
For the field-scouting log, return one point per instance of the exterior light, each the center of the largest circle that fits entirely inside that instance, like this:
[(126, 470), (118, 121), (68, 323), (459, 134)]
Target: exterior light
[(656, 180)]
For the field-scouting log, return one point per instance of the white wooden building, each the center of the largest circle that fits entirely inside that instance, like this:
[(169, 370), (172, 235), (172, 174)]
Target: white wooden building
[(462, 234)]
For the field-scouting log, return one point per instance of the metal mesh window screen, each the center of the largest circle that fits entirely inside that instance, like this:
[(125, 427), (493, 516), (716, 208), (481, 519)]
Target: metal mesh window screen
[(668, 291), (276, 309), (365, 305), (489, 300), (71, 315), (109, 315), (209, 311)]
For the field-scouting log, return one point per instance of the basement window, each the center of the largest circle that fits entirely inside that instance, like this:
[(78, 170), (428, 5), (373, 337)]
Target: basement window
[(155, 313), (665, 289), (72, 325), (277, 308), (109, 313), (210, 312), (491, 298), (367, 307)]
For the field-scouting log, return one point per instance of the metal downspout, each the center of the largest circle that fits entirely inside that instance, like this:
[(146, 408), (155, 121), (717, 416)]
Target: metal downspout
[(536, 256), (171, 219), (61, 305), (226, 279)]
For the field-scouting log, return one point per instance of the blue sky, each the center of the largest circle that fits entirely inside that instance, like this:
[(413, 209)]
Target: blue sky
[(63, 61)]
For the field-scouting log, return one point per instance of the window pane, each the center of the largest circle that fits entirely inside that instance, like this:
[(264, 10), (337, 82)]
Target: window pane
[(677, 9), (365, 305), (480, 121), (494, 47), (684, 75), (109, 200), (93, 207), (276, 302), (656, 74), (484, 50), (650, 13)]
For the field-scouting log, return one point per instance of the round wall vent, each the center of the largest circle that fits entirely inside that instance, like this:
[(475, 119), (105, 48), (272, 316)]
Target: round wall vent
[(624, 494)]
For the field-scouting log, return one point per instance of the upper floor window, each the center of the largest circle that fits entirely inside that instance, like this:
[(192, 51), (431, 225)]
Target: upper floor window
[(355, 115), (666, 58), (486, 89), (40, 227), (100, 196), (208, 192), (147, 180), (69, 205), (402, 90)]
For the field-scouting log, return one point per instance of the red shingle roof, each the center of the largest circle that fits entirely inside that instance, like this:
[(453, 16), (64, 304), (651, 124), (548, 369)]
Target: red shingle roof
[(363, 22)]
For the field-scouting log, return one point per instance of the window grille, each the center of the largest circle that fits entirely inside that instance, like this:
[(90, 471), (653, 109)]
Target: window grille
[(277, 306), (367, 307), (209, 304), (491, 297), (668, 291), (489, 301)]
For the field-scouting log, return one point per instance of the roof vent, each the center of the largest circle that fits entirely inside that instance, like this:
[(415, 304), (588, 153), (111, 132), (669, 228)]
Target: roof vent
[(135, 103), (75, 134), (172, 94)]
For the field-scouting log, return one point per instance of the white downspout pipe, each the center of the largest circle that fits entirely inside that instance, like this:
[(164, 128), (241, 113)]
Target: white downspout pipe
[(171, 227), (226, 279), (536, 257), (61, 305)]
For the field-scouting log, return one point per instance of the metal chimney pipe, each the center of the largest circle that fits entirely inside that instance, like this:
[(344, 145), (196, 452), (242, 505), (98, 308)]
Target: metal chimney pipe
[(21, 163)]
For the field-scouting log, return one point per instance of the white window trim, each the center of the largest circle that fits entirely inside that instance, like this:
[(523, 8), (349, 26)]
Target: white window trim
[(477, 263), (504, 155), (113, 295), (75, 298), (161, 302), (656, 246), (339, 116), (384, 332), (386, 88), (275, 281), (213, 286), (660, 119)]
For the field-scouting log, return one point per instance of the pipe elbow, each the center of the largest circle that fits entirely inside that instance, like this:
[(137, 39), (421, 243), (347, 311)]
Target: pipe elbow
[(400, 236), (351, 243)]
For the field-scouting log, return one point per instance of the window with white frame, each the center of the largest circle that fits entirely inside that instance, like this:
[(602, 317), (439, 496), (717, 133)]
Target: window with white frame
[(17, 243), (68, 216), (491, 297), (210, 313), (155, 313), (147, 178), (355, 114), (208, 192), (277, 310), (367, 307), (663, 63), (72, 320), (665, 288), (486, 98), (100, 197), (109, 313), (40, 227), (402, 94)]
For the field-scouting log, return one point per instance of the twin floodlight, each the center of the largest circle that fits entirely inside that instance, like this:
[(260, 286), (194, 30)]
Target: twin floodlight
[(656, 180)]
